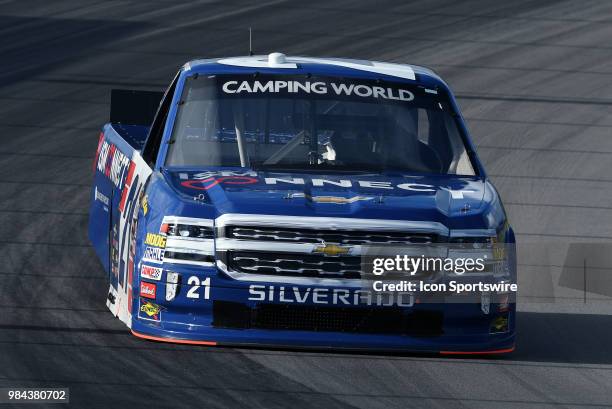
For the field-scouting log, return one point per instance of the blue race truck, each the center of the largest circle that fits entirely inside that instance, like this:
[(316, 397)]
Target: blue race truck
[(234, 209)]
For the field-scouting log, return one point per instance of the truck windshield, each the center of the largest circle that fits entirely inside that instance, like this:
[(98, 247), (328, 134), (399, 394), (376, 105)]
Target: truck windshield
[(315, 123)]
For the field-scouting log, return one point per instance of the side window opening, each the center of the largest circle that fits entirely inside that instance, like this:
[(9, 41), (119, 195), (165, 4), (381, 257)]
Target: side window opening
[(151, 148), (460, 163)]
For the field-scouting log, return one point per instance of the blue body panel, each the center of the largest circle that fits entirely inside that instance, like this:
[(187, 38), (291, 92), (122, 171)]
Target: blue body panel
[(213, 192)]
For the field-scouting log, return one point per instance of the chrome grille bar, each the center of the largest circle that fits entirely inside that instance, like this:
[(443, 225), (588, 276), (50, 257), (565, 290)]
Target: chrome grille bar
[(329, 237)]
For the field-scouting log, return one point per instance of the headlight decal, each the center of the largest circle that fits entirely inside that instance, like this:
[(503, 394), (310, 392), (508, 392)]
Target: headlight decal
[(188, 240)]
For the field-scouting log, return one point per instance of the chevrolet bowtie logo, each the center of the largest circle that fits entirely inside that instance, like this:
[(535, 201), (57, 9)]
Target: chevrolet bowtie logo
[(330, 199), (331, 250), (338, 200)]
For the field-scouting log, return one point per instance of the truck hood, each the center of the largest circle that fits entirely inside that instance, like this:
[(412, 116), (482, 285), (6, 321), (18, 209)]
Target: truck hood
[(410, 197)]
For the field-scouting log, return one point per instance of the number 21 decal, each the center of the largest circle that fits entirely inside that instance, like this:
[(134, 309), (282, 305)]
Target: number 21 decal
[(195, 284)]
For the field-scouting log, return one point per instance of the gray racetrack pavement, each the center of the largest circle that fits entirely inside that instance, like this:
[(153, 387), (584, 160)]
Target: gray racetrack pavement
[(534, 80)]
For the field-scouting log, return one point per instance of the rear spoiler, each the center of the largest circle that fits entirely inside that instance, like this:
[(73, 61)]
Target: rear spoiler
[(130, 107)]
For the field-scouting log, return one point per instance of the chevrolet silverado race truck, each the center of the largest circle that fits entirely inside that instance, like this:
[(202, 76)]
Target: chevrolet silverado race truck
[(234, 208)]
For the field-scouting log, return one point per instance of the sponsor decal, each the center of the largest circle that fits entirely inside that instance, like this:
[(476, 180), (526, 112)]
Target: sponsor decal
[(114, 253), (153, 254), (222, 173), (317, 87), (129, 177), (127, 187), (156, 240), (145, 204), (130, 262), (151, 273), (112, 163), (101, 197), (331, 250), (207, 180), (328, 296), (151, 310), (148, 290)]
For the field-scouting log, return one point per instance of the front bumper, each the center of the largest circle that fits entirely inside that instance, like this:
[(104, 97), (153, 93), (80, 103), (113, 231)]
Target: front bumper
[(231, 312)]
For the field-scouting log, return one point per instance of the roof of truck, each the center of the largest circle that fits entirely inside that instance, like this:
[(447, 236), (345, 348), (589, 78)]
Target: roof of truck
[(278, 63)]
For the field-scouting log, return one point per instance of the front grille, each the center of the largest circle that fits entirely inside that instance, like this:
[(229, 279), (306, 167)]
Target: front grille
[(382, 320), (341, 237), (306, 251), (295, 264)]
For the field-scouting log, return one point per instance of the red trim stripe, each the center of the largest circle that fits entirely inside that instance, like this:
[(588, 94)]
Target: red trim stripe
[(214, 343), (95, 162), (109, 160), (491, 352), (173, 340)]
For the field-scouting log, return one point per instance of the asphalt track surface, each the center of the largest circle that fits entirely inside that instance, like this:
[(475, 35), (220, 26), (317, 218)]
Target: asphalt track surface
[(534, 81)]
